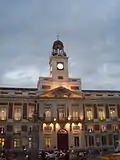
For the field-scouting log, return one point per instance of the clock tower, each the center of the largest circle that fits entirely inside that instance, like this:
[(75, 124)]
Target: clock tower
[(58, 62)]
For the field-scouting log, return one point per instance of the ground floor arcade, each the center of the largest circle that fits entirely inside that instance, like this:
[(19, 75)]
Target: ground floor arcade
[(61, 136)]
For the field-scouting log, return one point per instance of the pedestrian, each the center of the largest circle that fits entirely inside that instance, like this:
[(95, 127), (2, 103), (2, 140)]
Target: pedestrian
[(43, 155), (66, 156)]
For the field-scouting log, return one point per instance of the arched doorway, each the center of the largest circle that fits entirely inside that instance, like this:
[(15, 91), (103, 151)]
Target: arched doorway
[(62, 139)]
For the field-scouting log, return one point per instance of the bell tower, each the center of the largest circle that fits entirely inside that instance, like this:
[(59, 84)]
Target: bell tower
[(58, 62)]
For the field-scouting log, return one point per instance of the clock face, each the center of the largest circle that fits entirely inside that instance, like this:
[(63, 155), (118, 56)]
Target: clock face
[(60, 66)]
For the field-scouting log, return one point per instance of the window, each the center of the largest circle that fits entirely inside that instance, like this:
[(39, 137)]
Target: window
[(47, 113), (76, 141), (30, 145), (3, 113), (113, 113), (90, 129), (46, 87), (17, 113), (2, 142), (24, 128), (115, 127), (98, 94), (30, 112), (89, 114), (9, 128), (103, 128), (61, 113), (2, 92), (18, 93), (31, 93), (17, 129), (104, 140), (2, 130), (60, 77), (17, 143), (75, 115), (91, 140), (75, 87), (101, 113), (48, 142)]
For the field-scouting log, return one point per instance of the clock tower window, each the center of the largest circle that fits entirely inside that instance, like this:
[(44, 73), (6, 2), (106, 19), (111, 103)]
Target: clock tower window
[(60, 77)]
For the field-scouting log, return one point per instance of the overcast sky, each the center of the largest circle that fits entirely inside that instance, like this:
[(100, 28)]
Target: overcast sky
[(89, 29)]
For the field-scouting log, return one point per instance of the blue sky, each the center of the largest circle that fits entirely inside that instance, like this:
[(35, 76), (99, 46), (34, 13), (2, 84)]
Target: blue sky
[(89, 29)]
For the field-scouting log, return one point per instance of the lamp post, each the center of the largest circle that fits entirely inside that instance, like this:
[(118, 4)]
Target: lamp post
[(37, 122)]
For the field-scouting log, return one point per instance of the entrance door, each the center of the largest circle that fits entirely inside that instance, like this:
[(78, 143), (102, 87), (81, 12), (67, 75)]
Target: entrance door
[(62, 139)]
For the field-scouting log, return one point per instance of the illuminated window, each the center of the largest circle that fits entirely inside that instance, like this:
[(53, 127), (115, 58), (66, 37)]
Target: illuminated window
[(47, 113), (2, 130), (101, 114), (61, 113), (113, 113), (75, 115), (48, 142), (2, 142), (17, 113), (103, 128), (3, 113), (30, 112), (115, 127), (90, 129), (16, 143), (30, 144), (89, 114)]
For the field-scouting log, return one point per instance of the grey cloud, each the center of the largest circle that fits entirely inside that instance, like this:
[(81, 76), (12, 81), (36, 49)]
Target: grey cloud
[(89, 30)]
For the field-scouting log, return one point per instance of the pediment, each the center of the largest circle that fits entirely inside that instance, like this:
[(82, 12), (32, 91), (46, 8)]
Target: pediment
[(60, 92)]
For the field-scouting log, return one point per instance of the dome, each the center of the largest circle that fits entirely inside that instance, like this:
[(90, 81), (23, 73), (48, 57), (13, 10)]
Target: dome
[(58, 45)]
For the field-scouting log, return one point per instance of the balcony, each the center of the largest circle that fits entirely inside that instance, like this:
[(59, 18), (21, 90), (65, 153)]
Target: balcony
[(17, 133), (87, 120), (49, 119), (103, 131), (113, 118), (60, 119), (115, 130), (75, 120), (3, 120), (89, 131), (17, 119), (102, 119)]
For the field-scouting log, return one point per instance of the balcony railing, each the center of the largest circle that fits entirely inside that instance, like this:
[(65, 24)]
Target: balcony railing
[(89, 120), (17, 133), (17, 120), (61, 119), (3, 119), (113, 118), (90, 131)]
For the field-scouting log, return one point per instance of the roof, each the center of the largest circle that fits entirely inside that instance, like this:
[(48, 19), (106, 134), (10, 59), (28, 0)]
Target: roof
[(16, 89), (35, 89), (102, 91)]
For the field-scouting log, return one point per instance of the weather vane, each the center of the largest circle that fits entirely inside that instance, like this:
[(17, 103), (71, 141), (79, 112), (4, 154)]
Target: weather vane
[(58, 36)]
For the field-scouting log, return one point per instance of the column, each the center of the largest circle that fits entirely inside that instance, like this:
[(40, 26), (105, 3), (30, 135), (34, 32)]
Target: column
[(118, 111), (24, 110), (107, 111), (10, 111), (95, 112), (84, 111)]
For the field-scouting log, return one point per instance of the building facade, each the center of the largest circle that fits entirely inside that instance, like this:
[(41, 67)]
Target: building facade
[(58, 113)]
